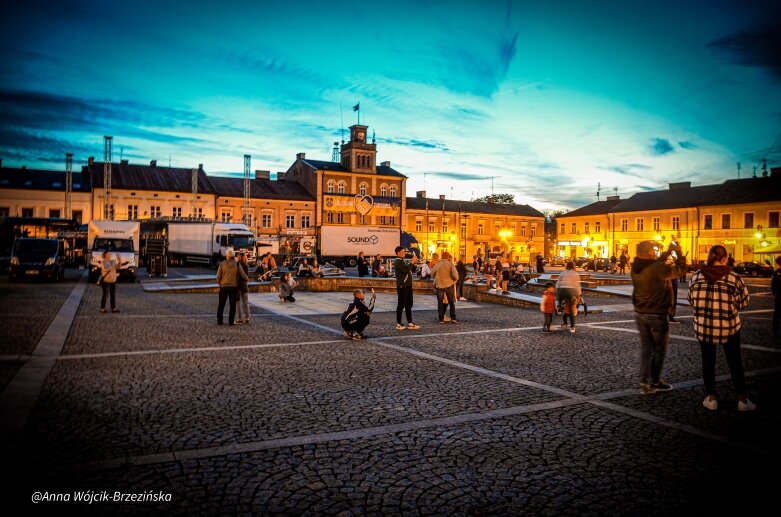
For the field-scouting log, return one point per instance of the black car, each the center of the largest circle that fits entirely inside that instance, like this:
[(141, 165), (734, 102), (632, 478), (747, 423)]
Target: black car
[(597, 264), (36, 258), (753, 269)]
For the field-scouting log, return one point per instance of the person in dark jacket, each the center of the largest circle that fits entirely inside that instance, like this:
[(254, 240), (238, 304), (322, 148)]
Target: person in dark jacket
[(775, 286), (652, 298), (227, 278), (242, 306), (404, 273), (461, 269), (357, 316), (363, 265), (540, 264)]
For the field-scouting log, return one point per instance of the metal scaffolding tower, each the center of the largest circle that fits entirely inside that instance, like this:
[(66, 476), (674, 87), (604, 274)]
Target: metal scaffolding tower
[(194, 186), (108, 212), (246, 211), (68, 184), (335, 155)]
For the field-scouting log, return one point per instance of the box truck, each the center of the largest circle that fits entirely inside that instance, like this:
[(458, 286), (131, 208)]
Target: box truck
[(202, 242), (341, 244), (118, 237)]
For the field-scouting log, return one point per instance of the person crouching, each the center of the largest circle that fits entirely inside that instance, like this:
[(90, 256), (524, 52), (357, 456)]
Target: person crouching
[(356, 318)]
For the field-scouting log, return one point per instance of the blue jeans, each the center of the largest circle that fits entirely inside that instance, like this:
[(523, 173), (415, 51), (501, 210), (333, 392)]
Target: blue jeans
[(654, 337)]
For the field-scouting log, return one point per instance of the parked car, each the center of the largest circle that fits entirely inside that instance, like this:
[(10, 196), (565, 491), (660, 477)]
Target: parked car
[(597, 264), (558, 261), (579, 261), (753, 269), (35, 258)]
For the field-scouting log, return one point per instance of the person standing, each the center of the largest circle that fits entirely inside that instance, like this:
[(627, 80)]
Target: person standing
[(488, 271), (404, 273), (775, 286), (548, 306), (242, 304), (445, 277), (613, 261), (363, 265), (717, 294), (652, 298), (227, 277), (504, 264), (623, 260), (109, 272), (568, 290), (461, 269), (540, 264)]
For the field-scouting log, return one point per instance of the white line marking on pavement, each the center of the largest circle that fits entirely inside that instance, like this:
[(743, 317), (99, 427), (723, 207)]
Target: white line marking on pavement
[(690, 338)]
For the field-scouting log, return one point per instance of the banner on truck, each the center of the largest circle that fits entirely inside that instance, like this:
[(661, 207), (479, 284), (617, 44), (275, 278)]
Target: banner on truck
[(347, 240)]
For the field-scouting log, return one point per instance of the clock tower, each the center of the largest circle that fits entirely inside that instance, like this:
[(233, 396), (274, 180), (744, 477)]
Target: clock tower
[(358, 155)]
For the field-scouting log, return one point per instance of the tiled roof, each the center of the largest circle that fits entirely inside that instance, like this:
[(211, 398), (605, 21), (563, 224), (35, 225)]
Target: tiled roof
[(747, 190), (259, 189), (455, 205), (382, 170), (36, 179), (666, 199), (597, 208), (127, 176)]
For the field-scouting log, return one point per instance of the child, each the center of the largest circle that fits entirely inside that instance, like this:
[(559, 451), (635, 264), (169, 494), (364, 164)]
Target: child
[(286, 284), (548, 305), (569, 315), (356, 318)]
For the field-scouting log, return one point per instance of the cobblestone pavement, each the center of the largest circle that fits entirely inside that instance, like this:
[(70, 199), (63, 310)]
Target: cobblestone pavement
[(287, 416)]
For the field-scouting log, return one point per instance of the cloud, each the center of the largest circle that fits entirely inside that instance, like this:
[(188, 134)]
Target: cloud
[(755, 46), (414, 142), (458, 175), (660, 147), (688, 145), (629, 169)]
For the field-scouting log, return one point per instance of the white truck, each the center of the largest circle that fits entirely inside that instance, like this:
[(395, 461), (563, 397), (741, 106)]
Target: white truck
[(202, 241), (341, 244), (118, 237)]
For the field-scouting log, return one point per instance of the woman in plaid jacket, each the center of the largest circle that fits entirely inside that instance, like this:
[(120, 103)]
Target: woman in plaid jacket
[(717, 294)]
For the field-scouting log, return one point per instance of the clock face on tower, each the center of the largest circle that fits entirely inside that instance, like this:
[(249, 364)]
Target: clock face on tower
[(360, 135)]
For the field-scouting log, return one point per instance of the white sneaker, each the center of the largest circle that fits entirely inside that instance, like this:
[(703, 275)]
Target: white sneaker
[(462, 299), (572, 330), (412, 326), (713, 405), (399, 326), (746, 406)]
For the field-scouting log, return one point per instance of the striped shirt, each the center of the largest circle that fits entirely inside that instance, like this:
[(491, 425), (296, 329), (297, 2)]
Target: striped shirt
[(716, 305)]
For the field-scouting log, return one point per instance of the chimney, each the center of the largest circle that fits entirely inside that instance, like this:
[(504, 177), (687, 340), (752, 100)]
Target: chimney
[(124, 162), (442, 197), (262, 175), (680, 185), (420, 193), (153, 163), (385, 164), (281, 175), (301, 156), (613, 198), (91, 160), (200, 166)]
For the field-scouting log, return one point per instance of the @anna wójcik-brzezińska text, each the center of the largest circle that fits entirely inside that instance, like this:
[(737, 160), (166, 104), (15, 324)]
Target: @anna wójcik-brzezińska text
[(103, 496)]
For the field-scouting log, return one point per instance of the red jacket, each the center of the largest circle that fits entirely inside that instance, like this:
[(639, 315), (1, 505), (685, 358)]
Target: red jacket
[(548, 303)]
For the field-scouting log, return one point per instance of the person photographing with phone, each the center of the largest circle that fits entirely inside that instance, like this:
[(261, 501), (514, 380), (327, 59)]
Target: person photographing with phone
[(109, 271), (357, 316)]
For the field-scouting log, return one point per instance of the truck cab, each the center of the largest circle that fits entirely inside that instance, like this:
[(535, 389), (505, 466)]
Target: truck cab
[(36, 258), (121, 238)]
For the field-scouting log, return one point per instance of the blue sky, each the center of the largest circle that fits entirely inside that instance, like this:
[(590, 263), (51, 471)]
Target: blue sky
[(549, 98)]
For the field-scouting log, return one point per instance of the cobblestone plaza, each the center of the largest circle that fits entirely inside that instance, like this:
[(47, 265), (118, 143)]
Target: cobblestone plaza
[(287, 416)]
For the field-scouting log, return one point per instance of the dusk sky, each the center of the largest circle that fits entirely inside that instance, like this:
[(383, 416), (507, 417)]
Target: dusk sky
[(550, 98)]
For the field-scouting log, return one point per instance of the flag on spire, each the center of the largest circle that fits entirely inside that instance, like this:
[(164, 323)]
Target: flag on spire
[(357, 107)]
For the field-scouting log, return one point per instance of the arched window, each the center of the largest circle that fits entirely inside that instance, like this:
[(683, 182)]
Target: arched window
[(331, 186), (363, 188), (383, 189), (341, 187), (392, 191)]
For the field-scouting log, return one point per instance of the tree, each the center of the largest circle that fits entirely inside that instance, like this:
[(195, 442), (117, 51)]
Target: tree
[(499, 199)]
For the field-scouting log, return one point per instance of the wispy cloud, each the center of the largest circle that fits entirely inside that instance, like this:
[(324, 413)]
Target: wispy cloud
[(755, 46), (414, 142), (688, 145)]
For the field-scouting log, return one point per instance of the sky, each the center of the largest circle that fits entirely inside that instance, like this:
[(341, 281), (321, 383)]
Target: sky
[(548, 101)]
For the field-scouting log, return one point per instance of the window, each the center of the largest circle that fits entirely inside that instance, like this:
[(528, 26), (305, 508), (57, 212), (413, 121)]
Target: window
[(266, 220), (480, 229), (290, 221), (624, 225), (444, 226), (708, 223), (392, 191), (772, 219), (676, 222), (431, 228), (418, 225), (177, 211), (155, 211), (656, 224), (496, 229), (639, 222), (77, 215), (361, 219), (523, 231), (383, 189), (305, 221), (392, 220), (5, 211), (574, 228), (586, 228), (383, 219), (726, 219), (563, 229), (597, 226), (342, 187), (340, 218), (534, 231), (132, 211), (331, 186), (199, 213), (226, 214), (362, 188), (748, 220), (463, 230), (329, 217), (54, 213)]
